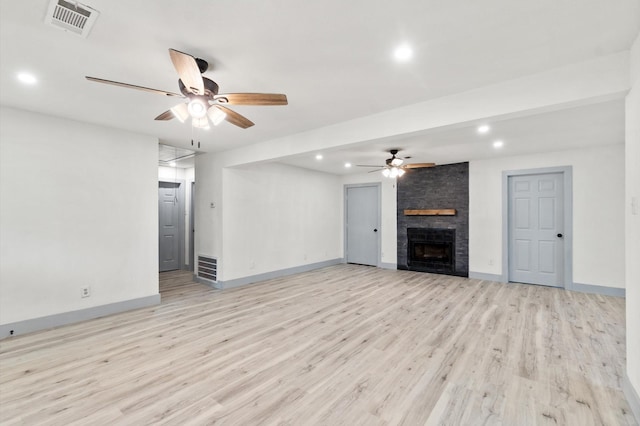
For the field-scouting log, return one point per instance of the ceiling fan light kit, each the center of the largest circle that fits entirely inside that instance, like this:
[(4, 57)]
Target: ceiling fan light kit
[(396, 162), (181, 112), (200, 123), (203, 103), (197, 108), (394, 167), (216, 115), (393, 172)]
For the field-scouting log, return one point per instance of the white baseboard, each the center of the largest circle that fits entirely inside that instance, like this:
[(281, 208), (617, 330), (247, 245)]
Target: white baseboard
[(583, 288), (65, 318), (486, 277), (598, 289), (384, 265), (221, 285)]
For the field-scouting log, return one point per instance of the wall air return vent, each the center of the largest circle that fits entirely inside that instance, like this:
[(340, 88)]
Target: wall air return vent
[(71, 16), (208, 268)]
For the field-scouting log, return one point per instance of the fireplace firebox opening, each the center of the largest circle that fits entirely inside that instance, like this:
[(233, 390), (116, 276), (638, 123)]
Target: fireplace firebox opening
[(431, 250)]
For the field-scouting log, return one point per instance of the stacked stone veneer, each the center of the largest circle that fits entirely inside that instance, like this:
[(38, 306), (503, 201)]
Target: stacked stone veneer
[(440, 187)]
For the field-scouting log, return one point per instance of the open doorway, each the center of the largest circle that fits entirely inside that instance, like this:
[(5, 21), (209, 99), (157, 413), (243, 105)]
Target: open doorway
[(176, 183), (170, 225)]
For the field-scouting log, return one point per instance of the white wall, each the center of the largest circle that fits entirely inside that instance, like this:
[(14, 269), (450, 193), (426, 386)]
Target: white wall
[(278, 217), (598, 182), (172, 174), (632, 221), (79, 208), (598, 199), (175, 174), (208, 208), (388, 220)]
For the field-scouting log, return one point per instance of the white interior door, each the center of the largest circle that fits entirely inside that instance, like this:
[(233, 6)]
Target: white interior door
[(362, 225), (536, 222)]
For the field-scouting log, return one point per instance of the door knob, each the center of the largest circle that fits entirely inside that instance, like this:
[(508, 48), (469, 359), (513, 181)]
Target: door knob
[(559, 235), (375, 230)]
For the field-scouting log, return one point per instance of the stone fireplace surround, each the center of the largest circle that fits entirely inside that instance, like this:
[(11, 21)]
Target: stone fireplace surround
[(440, 187)]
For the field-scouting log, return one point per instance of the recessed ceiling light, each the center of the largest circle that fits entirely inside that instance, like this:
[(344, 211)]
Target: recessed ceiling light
[(318, 156), (27, 78), (498, 144), (484, 128), (172, 164), (347, 165), (403, 53)]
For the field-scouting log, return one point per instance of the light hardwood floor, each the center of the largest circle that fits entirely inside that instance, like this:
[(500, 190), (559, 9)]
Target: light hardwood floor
[(344, 345)]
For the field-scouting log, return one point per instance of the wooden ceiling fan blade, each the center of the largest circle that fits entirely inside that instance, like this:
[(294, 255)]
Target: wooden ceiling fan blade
[(376, 170), (188, 70), (131, 86), (167, 115), (418, 165), (235, 118), (251, 99)]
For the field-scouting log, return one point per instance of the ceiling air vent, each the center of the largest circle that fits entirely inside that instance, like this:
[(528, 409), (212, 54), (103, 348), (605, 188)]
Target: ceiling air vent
[(71, 16)]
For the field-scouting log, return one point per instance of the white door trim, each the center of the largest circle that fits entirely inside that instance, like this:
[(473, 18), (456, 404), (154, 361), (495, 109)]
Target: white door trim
[(378, 186), (567, 179)]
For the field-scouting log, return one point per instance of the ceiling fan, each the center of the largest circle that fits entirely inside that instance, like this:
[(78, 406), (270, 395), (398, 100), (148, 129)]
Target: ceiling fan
[(202, 100), (395, 167)]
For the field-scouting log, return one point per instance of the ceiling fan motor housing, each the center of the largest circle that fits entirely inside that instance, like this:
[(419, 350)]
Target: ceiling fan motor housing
[(210, 88), (202, 65)]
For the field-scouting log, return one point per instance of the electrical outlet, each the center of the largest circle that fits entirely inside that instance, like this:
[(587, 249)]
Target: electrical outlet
[(85, 292)]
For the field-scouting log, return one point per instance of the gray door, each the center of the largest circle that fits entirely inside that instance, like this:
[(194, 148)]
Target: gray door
[(169, 225), (362, 223), (536, 222)]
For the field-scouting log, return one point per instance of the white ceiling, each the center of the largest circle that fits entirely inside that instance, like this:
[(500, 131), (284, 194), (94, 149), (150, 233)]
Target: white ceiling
[(591, 125), (332, 58), (171, 156)]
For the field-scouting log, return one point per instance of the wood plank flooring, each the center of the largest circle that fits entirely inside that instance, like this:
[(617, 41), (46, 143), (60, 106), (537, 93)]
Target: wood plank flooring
[(343, 345)]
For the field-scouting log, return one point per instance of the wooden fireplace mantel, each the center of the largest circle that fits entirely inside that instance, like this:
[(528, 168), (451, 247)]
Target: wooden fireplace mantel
[(430, 212)]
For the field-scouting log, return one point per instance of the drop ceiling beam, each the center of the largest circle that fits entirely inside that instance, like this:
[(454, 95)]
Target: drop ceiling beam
[(590, 82)]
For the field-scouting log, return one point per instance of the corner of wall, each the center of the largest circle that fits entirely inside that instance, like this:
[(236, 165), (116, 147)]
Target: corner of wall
[(632, 229), (635, 62)]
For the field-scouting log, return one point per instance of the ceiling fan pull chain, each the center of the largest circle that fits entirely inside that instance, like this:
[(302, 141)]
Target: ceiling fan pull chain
[(197, 130)]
